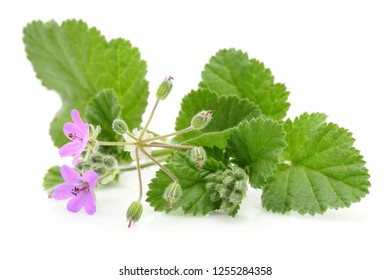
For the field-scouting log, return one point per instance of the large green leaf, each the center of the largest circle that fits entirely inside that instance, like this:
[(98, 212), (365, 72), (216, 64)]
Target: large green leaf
[(228, 112), (231, 72), (321, 169), (77, 62), (257, 145)]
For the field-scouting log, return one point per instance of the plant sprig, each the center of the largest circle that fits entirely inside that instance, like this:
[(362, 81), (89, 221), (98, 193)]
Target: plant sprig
[(231, 133)]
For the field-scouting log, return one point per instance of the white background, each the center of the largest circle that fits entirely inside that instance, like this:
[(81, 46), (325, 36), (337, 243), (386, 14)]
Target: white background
[(333, 57)]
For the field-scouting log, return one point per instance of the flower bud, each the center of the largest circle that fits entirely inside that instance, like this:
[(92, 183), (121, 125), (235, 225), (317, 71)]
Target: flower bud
[(165, 88), (172, 193), (201, 119), (99, 169), (238, 173), (97, 157), (227, 206), (199, 156), (119, 126), (134, 212), (83, 165), (109, 161), (236, 197), (228, 180), (214, 196), (240, 186)]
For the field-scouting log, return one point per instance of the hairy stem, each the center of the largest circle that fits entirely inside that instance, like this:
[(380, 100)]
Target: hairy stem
[(107, 143), (148, 122), (163, 168), (139, 173), (169, 146), (188, 129)]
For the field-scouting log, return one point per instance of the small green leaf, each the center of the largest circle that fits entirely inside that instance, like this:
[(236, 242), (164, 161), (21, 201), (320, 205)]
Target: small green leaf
[(321, 169), (194, 199), (52, 178), (257, 144), (228, 112), (231, 72), (102, 110), (77, 62)]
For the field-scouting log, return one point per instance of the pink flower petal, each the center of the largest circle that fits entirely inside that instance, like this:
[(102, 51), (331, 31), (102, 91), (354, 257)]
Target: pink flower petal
[(63, 191), (69, 173), (91, 177), (71, 148), (76, 118), (90, 206), (86, 133), (75, 204), (77, 155)]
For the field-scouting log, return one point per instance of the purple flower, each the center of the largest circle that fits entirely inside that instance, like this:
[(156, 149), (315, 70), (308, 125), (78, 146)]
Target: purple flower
[(78, 188), (78, 132)]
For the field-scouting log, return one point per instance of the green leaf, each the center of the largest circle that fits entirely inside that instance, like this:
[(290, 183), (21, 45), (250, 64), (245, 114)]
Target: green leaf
[(52, 178), (77, 62), (102, 110), (321, 169), (228, 112), (231, 72), (257, 145), (194, 199)]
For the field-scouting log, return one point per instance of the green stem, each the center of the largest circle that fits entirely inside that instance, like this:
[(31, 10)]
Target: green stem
[(107, 143), (162, 152), (139, 174), (169, 146), (163, 168), (148, 122), (188, 129)]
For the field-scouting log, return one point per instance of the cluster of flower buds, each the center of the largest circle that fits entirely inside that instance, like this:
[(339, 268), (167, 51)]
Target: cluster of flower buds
[(106, 166), (227, 187)]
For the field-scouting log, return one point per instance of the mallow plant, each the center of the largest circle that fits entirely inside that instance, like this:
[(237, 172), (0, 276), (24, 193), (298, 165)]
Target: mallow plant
[(231, 133)]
